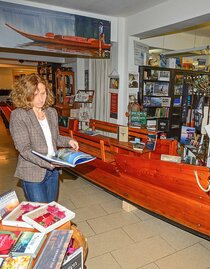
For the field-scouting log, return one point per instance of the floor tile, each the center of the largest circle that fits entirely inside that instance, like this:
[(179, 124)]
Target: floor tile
[(107, 242), (180, 239), (150, 266), (142, 253), (112, 221), (85, 228), (105, 261), (87, 213), (194, 257), (113, 206)]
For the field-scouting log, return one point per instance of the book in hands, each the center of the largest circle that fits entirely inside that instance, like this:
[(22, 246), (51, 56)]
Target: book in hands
[(29, 243), (7, 241), (67, 157)]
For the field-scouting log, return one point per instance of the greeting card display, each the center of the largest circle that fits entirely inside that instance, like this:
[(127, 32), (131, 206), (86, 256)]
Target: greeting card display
[(48, 217), (15, 217)]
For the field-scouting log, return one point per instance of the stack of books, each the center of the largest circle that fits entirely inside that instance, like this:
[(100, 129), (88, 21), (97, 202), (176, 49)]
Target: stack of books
[(18, 248)]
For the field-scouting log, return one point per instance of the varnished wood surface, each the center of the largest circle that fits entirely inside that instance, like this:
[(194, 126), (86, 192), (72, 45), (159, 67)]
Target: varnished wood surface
[(168, 189)]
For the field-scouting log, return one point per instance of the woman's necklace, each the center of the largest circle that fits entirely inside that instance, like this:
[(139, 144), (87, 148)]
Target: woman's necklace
[(40, 114)]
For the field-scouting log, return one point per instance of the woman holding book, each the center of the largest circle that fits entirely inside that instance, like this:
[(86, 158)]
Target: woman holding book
[(34, 126)]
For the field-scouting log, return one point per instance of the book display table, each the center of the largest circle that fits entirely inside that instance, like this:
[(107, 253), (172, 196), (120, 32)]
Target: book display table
[(78, 238)]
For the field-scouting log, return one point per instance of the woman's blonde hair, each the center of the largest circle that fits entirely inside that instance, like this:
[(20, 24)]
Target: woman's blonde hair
[(24, 90)]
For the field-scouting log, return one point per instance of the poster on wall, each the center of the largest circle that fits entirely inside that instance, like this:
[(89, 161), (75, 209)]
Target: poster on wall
[(114, 105), (133, 80), (141, 53), (34, 29)]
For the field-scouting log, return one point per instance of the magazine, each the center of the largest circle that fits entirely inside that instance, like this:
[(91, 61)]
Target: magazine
[(7, 241), (54, 250), (75, 259), (8, 201), (22, 262), (151, 141), (67, 157)]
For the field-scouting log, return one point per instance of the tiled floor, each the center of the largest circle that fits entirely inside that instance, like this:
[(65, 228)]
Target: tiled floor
[(116, 238)]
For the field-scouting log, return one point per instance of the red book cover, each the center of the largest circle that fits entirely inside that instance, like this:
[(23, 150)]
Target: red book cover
[(7, 240)]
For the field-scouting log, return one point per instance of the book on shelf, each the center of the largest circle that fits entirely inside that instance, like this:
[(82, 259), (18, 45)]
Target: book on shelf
[(166, 101), (139, 146), (20, 262), (15, 217), (164, 75), (7, 241), (123, 133), (163, 125), (66, 157), (151, 125), (178, 101), (75, 260), (137, 118), (54, 250), (8, 201), (48, 217), (187, 135), (90, 132), (156, 101), (151, 141), (28, 243), (161, 89)]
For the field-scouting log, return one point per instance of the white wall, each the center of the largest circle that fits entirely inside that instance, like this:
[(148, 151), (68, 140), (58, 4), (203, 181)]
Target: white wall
[(167, 14)]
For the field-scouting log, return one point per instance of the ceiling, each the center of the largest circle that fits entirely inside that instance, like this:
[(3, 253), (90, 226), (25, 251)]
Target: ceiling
[(117, 8)]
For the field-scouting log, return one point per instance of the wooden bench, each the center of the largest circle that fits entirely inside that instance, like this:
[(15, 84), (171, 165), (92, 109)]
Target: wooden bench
[(105, 147), (163, 146), (97, 146)]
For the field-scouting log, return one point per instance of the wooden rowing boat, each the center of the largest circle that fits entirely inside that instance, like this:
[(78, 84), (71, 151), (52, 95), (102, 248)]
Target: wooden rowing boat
[(176, 192), (75, 41)]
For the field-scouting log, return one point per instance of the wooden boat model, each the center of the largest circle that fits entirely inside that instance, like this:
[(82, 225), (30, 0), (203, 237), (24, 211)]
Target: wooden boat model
[(176, 192), (75, 41)]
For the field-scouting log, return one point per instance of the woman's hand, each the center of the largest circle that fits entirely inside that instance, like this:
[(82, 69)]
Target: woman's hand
[(74, 144)]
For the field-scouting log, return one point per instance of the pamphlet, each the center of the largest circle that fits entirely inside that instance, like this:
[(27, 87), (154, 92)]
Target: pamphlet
[(151, 141), (67, 157)]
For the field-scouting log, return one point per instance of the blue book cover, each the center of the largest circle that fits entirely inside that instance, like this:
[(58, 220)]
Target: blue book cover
[(28, 243)]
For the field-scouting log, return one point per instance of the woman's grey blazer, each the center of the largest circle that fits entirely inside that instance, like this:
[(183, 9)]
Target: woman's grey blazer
[(27, 135)]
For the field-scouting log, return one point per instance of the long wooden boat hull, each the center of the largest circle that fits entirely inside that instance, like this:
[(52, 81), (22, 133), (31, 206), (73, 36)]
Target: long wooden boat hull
[(167, 189), (64, 40)]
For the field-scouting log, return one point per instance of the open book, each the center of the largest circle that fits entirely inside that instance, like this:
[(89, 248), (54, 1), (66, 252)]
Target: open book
[(67, 157)]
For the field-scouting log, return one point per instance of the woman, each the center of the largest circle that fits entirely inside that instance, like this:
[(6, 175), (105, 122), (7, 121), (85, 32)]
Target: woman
[(34, 126)]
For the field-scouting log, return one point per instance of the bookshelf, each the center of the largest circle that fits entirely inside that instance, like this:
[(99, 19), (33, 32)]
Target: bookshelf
[(64, 91), (171, 96), (155, 94), (47, 71)]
